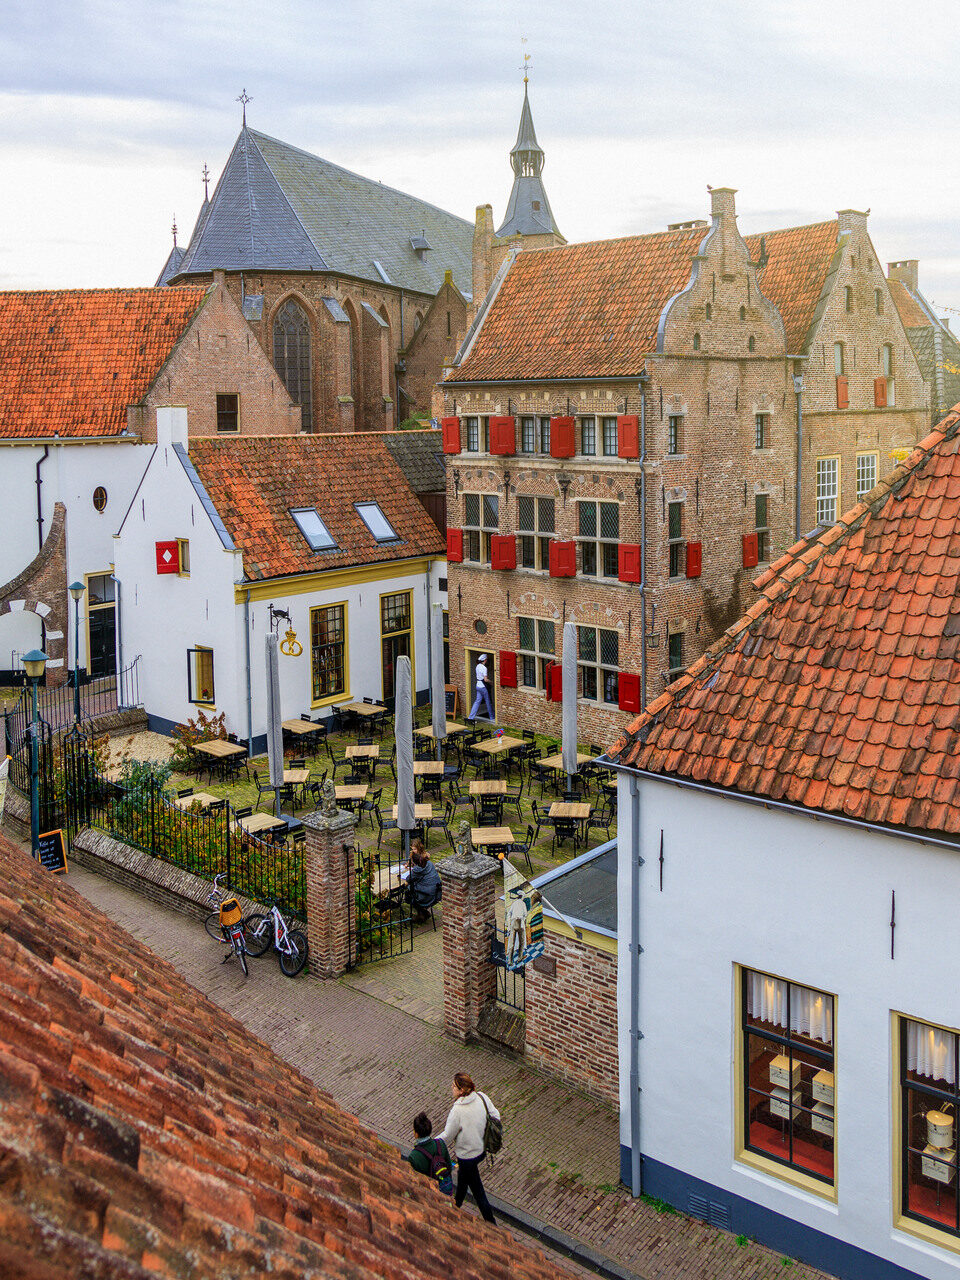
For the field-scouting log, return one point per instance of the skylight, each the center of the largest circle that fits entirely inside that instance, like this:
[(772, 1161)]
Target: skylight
[(313, 529), (376, 521)]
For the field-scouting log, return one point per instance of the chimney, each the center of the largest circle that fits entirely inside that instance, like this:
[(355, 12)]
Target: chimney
[(171, 425), (852, 219), (723, 203), (907, 272), (482, 252)]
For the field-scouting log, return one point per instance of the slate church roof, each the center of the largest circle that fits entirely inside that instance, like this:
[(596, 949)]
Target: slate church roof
[(839, 689), (282, 209), (528, 209), (144, 1131)]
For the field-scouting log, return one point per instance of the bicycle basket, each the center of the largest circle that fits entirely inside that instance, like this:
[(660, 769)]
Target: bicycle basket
[(230, 911)]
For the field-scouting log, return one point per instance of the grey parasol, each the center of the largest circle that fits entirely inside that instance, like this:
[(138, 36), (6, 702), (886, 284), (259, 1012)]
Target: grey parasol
[(274, 728), (403, 729), (438, 693), (569, 704)]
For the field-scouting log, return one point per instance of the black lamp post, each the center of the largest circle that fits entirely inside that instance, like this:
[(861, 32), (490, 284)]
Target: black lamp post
[(76, 589), (34, 663)]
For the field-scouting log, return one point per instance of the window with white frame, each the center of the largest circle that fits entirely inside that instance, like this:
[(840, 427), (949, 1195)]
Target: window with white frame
[(200, 686), (886, 357), (545, 435), (481, 518), (838, 359), (528, 435), (866, 473), (372, 516), (828, 489), (598, 657), (588, 436), (536, 521), (536, 648), (478, 435), (598, 532), (609, 437), (761, 430)]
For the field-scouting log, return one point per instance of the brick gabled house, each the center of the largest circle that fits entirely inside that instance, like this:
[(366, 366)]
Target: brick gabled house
[(934, 343), (622, 431)]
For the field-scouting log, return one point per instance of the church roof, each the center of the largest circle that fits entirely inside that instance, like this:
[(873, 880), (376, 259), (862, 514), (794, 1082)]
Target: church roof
[(171, 266), (72, 360), (279, 208), (144, 1131), (592, 310), (528, 209), (840, 688)]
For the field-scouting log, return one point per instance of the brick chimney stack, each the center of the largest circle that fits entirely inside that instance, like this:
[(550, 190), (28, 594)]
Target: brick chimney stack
[(482, 253), (907, 272)]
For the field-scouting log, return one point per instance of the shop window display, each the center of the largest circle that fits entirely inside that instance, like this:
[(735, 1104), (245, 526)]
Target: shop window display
[(789, 1104), (929, 1107)]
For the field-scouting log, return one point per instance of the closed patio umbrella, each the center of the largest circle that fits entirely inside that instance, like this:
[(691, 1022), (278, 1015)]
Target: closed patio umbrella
[(274, 728), (569, 703), (403, 730), (438, 693)]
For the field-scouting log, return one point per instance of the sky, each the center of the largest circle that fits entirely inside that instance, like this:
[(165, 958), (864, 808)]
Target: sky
[(110, 109)]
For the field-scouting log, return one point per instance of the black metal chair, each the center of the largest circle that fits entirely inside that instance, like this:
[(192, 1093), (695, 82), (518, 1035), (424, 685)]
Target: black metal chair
[(441, 823), (261, 789), (541, 819), (514, 798), (522, 848), (370, 806), (564, 829), (184, 792), (490, 811), (385, 824), (245, 811)]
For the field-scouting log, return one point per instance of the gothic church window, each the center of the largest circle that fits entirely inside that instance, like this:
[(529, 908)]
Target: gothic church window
[(291, 357)]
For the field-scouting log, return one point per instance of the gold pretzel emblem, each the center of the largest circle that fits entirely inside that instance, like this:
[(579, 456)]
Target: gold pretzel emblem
[(290, 645)]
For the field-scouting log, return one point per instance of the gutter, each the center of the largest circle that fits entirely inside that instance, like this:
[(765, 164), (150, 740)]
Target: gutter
[(36, 442)]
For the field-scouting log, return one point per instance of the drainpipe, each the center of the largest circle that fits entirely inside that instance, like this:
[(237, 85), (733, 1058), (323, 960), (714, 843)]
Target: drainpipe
[(636, 1169), (246, 647), (118, 613), (40, 462), (643, 546), (798, 388)]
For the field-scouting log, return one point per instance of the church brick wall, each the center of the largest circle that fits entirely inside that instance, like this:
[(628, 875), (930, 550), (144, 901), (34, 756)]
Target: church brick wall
[(433, 345)]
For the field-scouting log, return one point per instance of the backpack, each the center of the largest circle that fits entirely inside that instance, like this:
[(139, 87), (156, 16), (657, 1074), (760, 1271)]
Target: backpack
[(492, 1130), (439, 1168)]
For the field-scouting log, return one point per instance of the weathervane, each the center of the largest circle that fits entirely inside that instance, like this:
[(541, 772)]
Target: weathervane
[(244, 99), (526, 61), (206, 181), (174, 230)]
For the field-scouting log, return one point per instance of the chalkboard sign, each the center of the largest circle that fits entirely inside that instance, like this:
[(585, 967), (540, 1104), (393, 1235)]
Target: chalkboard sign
[(453, 701), (53, 855)]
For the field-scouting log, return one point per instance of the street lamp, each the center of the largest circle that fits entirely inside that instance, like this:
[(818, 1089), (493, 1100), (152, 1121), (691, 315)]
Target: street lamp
[(34, 662), (76, 589)]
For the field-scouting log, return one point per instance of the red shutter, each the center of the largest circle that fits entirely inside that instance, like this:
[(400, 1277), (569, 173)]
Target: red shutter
[(503, 435), (503, 551), (628, 435), (555, 682), (630, 694), (168, 557), (751, 550), (880, 393), (563, 442), (451, 434), (563, 559), (455, 546), (843, 392), (628, 562), (508, 670), (694, 559)]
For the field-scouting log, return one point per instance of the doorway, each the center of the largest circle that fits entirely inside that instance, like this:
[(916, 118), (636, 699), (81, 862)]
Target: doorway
[(472, 658), (101, 625)]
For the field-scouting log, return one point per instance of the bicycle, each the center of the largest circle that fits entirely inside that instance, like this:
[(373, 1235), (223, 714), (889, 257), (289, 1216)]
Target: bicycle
[(227, 924), (289, 944)]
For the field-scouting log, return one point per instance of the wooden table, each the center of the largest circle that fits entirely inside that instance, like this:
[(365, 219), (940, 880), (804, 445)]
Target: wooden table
[(388, 882), (296, 777), (576, 809), (421, 812), (363, 753), (495, 746), (363, 708), (428, 768), (352, 792), (491, 835), (220, 748), (452, 729), (260, 822), (302, 727), (556, 762), (488, 787), (202, 798)]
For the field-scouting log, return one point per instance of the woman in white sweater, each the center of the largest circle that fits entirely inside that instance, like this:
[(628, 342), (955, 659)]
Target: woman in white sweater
[(464, 1129)]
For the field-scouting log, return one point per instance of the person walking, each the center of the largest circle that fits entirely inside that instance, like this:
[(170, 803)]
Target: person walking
[(464, 1130), (483, 693)]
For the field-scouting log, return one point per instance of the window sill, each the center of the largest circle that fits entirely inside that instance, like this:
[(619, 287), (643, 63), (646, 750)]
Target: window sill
[(331, 700), (926, 1232), (201, 702), (674, 457), (792, 1177)]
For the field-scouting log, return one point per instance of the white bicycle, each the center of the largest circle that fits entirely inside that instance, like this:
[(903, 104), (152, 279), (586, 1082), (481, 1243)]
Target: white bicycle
[(260, 932)]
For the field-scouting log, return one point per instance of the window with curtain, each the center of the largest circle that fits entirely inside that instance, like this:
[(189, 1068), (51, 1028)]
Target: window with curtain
[(788, 1074), (291, 357), (929, 1105)]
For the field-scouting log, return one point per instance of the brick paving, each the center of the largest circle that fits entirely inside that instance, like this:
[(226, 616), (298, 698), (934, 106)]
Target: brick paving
[(560, 1161)]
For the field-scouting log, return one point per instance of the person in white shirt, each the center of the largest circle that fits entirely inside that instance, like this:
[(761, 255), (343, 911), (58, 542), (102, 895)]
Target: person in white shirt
[(464, 1130), (483, 694)]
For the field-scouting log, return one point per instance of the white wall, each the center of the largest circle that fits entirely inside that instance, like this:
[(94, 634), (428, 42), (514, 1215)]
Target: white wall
[(803, 899)]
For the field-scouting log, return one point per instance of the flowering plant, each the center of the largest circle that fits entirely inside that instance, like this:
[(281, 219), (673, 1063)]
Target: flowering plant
[(499, 733)]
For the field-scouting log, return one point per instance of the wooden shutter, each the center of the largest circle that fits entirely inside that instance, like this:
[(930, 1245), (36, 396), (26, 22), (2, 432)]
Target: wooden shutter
[(455, 546), (503, 551), (694, 559), (843, 392), (508, 670), (563, 559), (563, 443), (630, 693), (880, 393), (628, 562), (503, 435), (168, 557), (751, 551), (628, 435), (451, 434), (555, 682)]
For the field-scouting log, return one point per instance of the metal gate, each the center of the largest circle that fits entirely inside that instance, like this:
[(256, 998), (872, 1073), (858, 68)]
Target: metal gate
[(382, 917), (511, 983)]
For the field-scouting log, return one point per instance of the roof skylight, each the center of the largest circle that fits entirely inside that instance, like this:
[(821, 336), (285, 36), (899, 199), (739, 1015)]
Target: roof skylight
[(313, 529), (376, 521)]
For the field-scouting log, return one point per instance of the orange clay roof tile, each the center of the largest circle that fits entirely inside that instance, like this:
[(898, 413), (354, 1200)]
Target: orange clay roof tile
[(71, 361), (846, 703), (912, 314)]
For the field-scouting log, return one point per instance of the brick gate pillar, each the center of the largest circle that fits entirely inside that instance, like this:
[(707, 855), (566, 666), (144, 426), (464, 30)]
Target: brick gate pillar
[(469, 914), (328, 890)]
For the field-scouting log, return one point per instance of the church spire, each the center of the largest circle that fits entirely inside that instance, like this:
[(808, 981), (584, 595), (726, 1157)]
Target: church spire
[(528, 209)]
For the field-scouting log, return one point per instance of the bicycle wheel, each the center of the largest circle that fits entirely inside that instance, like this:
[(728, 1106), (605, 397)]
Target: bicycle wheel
[(257, 934), (293, 961), (242, 957), (212, 926)]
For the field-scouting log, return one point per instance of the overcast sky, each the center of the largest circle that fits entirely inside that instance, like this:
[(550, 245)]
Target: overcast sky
[(110, 110)]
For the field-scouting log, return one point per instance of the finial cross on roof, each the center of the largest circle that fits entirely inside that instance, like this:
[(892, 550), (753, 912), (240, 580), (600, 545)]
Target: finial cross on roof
[(174, 230), (206, 181), (243, 99)]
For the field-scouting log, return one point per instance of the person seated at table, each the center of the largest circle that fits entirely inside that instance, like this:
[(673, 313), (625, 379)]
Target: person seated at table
[(423, 885)]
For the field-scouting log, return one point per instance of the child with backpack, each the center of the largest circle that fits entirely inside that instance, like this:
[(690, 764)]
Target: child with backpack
[(430, 1155)]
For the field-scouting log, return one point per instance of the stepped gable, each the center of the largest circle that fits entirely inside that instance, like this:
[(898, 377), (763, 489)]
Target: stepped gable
[(144, 1131), (255, 482), (839, 689), (72, 360)]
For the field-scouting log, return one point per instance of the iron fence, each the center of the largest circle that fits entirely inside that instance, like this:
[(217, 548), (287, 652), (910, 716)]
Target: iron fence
[(383, 914), (511, 983), (57, 704)]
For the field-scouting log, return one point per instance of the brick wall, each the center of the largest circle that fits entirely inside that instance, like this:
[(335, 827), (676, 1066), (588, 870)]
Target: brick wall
[(572, 1018), (41, 588), (433, 343)]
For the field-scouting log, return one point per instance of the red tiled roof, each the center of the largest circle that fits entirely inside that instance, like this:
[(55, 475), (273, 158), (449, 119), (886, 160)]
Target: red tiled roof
[(72, 360), (592, 310), (840, 688), (255, 481), (912, 314), (144, 1131)]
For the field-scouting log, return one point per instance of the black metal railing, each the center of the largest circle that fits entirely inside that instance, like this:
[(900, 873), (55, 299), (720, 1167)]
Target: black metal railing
[(57, 704), (382, 926), (511, 983)]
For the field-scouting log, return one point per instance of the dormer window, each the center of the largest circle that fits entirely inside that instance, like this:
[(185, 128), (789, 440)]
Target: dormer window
[(313, 529), (419, 246), (376, 521)]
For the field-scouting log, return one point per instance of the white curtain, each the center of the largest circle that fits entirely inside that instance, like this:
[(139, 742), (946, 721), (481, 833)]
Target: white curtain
[(811, 1012), (930, 1052)]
